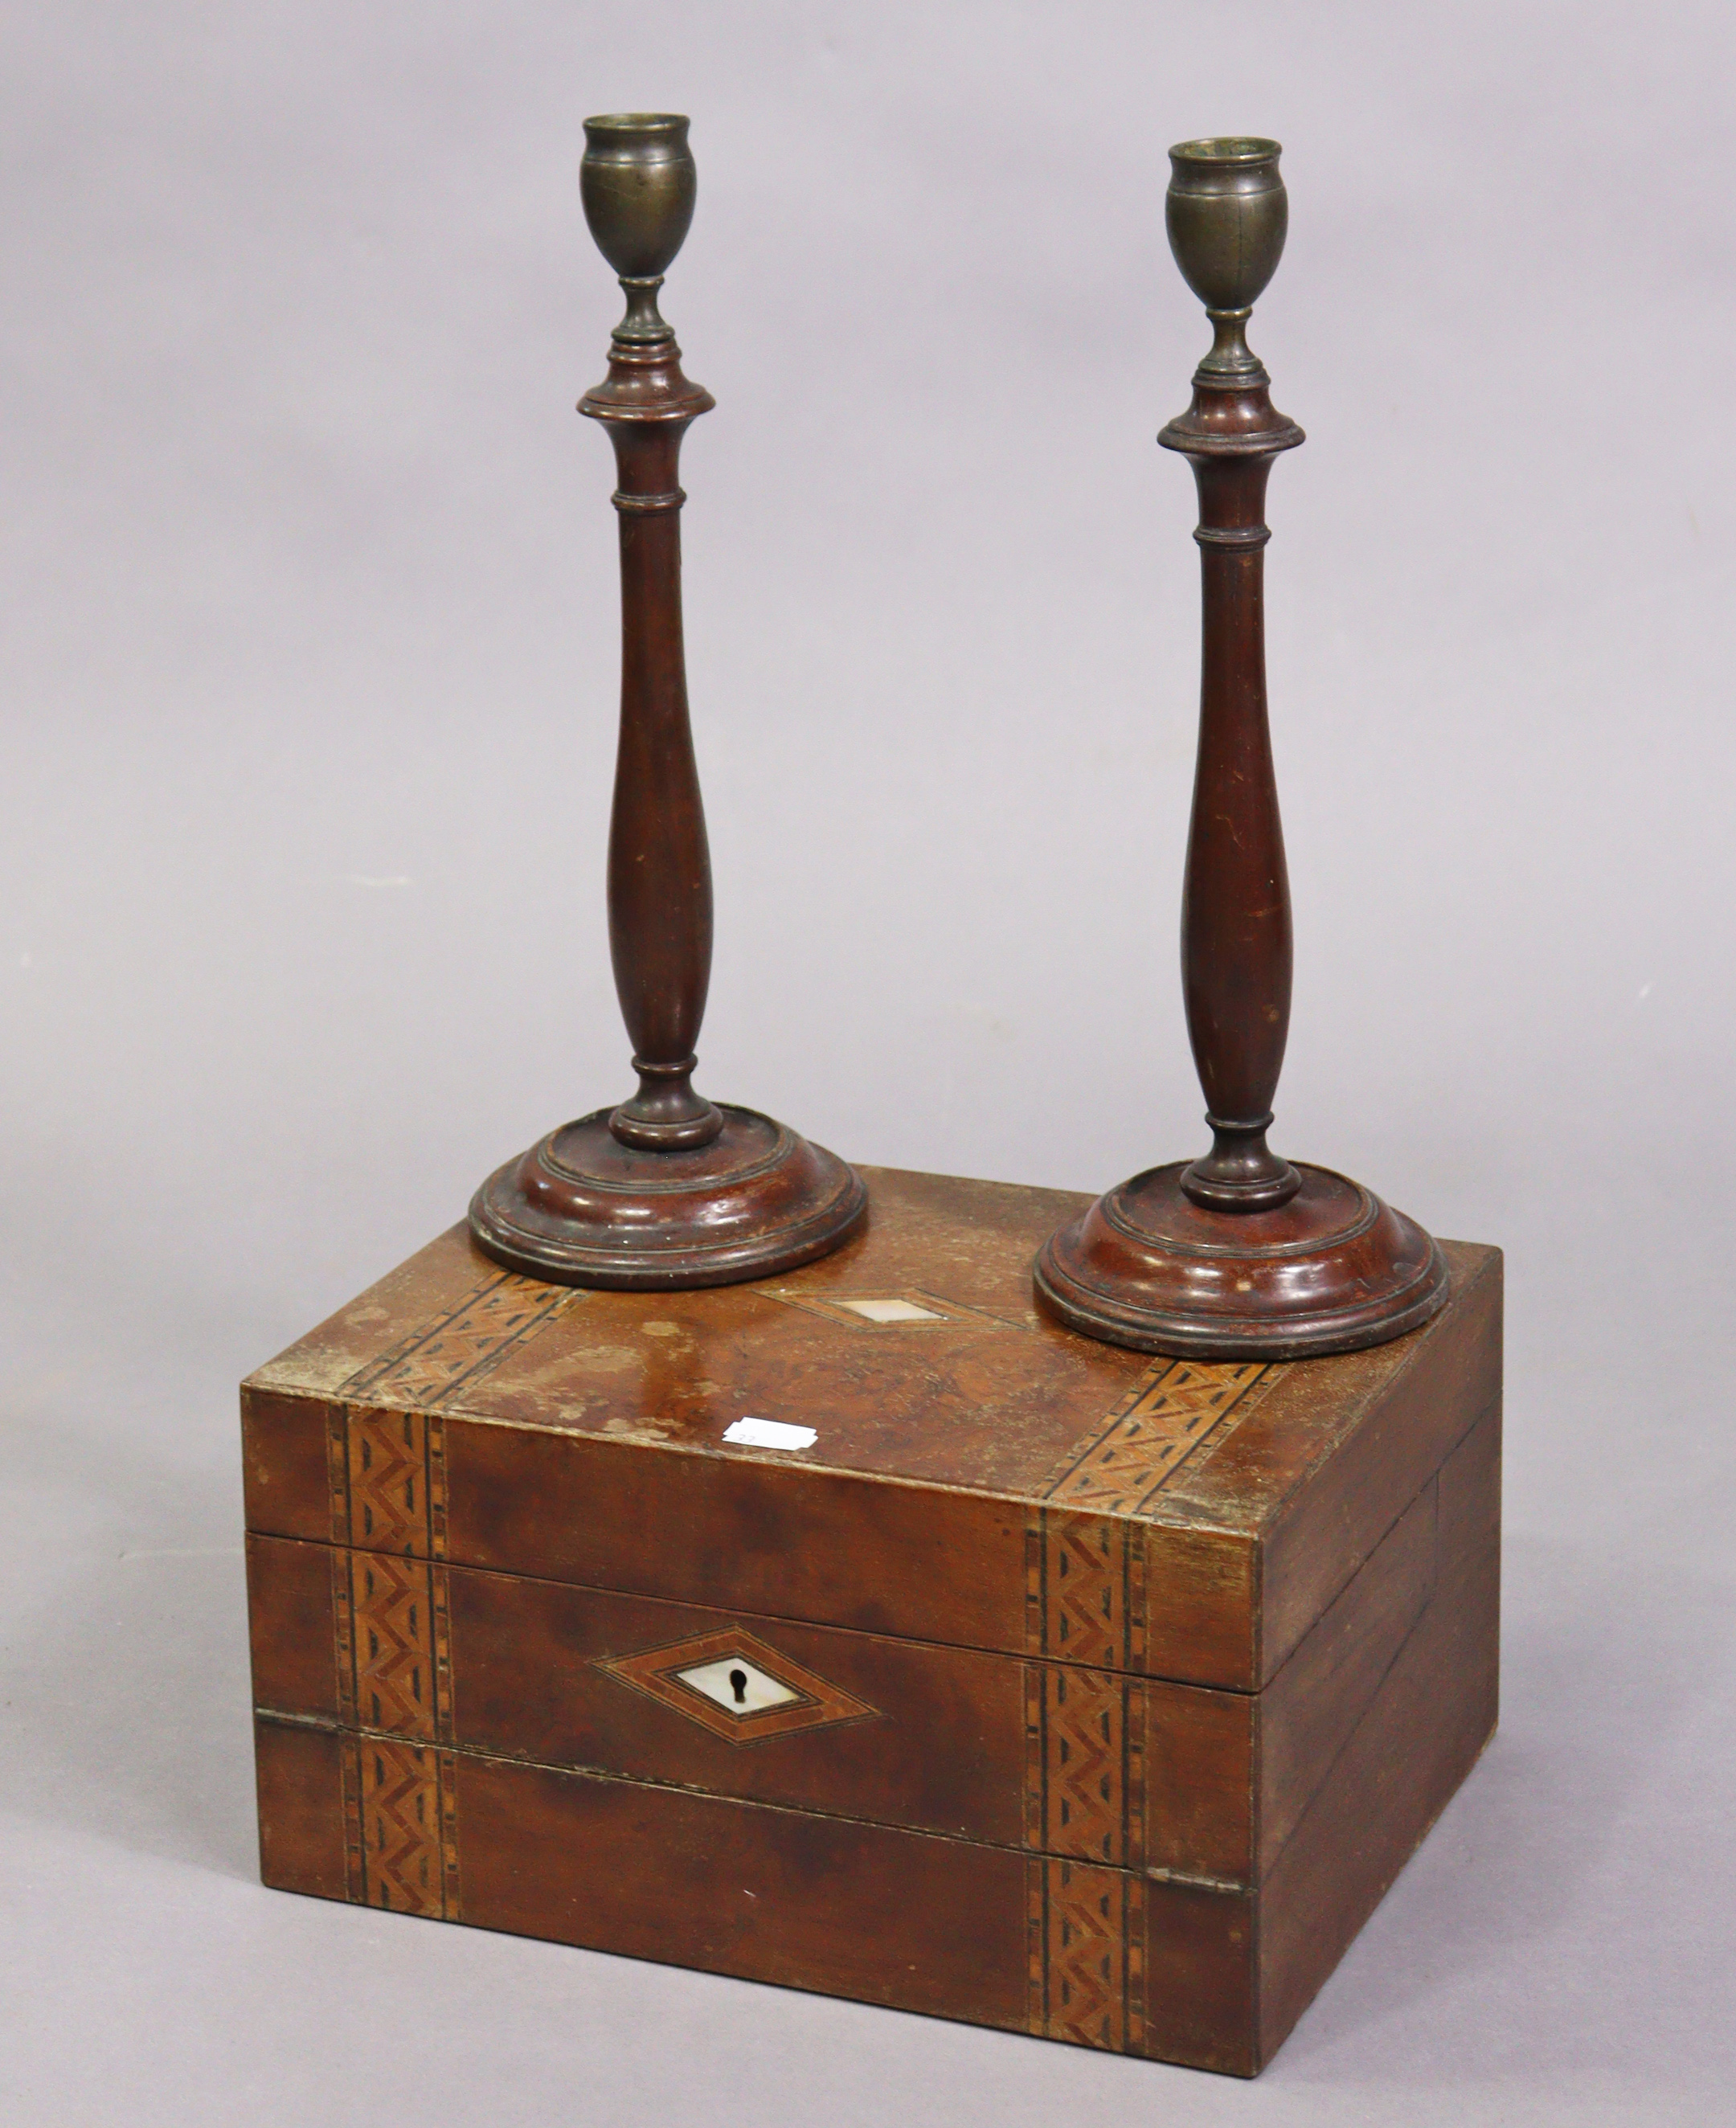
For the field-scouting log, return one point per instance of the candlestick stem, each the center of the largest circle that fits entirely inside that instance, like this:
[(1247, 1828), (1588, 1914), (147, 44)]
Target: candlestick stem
[(666, 1190), (1237, 1254)]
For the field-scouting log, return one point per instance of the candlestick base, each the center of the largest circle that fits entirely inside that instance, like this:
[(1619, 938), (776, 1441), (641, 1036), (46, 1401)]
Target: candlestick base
[(1332, 1270), (581, 1209)]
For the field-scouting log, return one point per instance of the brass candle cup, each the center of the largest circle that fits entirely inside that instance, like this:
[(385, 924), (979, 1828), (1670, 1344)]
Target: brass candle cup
[(1227, 213)]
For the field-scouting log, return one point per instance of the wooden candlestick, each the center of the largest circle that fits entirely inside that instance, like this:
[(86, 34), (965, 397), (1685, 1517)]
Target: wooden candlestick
[(1239, 1254), (668, 1189)]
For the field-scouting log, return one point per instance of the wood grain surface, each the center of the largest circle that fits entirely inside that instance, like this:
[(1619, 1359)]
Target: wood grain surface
[(572, 1450), (1149, 1960), (1105, 1698)]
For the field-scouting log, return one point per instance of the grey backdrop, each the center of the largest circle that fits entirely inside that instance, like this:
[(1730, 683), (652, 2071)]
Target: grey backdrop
[(309, 676)]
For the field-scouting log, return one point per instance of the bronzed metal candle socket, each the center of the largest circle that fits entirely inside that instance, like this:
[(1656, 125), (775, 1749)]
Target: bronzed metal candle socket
[(638, 185), (1227, 213), (667, 1189), (1239, 1254)]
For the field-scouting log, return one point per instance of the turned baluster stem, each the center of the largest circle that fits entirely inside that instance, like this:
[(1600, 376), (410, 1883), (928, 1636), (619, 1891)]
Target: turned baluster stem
[(1238, 1254), (1236, 957), (665, 1191), (659, 863), (1227, 213)]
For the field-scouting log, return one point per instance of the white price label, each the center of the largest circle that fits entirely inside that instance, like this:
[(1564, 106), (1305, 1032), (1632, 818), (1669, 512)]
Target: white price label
[(770, 1433)]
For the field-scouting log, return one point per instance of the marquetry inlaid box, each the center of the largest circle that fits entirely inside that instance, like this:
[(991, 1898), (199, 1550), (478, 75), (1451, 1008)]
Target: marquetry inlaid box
[(1030, 1681)]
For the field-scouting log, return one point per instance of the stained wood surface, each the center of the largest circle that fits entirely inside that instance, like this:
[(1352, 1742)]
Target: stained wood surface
[(1435, 1711), (1133, 1960), (945, 1926), (935, 1738), (1051, 1757), (1116, 1694), (576, 1432), (1317, 1698)]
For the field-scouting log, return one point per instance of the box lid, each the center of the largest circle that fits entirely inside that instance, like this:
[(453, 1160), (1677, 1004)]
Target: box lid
[(975, 1473)]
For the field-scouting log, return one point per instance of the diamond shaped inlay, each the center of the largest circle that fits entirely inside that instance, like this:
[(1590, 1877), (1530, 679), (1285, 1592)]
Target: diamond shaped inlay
[(740, 1687), (912, 1310), (733, 1684), (892, 1311)]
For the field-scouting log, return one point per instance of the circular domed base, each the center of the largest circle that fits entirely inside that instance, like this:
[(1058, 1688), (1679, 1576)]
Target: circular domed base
[(1332, 1270), (582, 1210)]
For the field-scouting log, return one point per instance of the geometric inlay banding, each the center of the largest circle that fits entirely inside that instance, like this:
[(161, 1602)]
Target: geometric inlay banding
[(388, 1481), (1087, 1964), (1085, 1765), (394, 1661), (442, 1356), (1085, 1590), (733, 1684), (401, 1806), (1085, 1726), (1171, 1412)]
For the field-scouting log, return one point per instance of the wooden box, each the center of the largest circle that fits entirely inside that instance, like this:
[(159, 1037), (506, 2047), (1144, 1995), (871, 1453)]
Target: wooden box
[(1051, 1688)]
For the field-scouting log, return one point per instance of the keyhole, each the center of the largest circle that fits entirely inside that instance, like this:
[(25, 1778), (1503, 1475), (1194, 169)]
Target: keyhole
[(738, 1686)]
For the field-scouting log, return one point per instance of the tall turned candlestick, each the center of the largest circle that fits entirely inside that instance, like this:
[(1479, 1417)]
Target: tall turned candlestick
[(1237, 1255), (667, 1189)]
